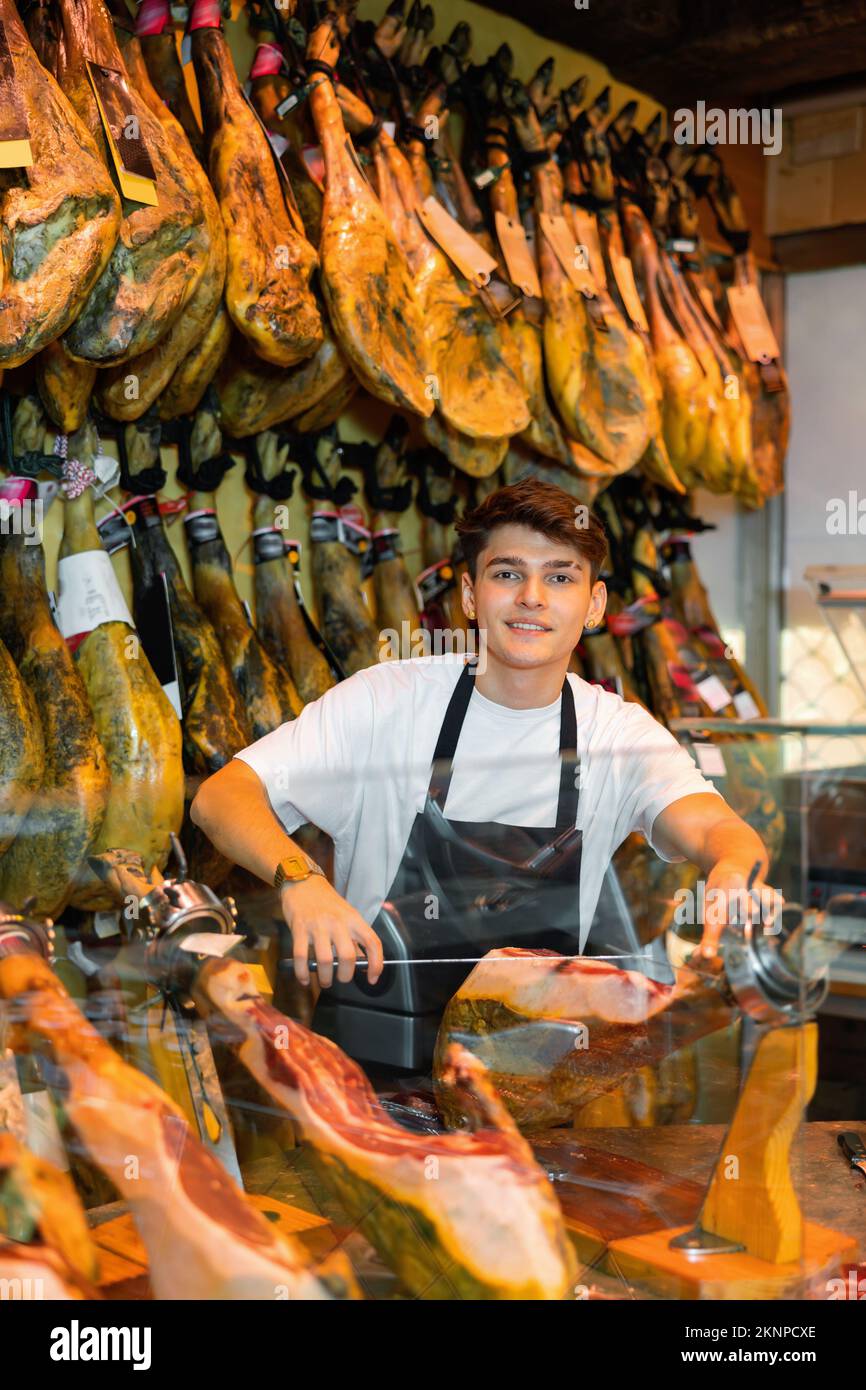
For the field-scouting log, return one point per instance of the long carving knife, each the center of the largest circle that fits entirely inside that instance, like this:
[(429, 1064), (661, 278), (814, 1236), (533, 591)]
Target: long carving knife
[(853, 1148)]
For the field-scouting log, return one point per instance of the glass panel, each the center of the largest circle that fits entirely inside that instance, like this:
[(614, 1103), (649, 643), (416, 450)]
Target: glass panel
[(547, 1086)]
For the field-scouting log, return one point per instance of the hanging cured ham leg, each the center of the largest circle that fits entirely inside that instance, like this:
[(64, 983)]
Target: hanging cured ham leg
[(135, 723), (154, 29), (456, 1215), (213, 720), (204, 1241), (389, 490), (254, 396), (346, 623), (686, 409), (270, 261), (279, 620), (268, 693), (597, 376), (152, 270), (71, 802), (59, 218), (365, 278), (154, 369)]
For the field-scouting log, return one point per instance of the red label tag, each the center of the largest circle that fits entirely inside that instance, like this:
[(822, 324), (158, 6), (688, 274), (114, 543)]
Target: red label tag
[(152, 18), (267, 61), (205, 14)]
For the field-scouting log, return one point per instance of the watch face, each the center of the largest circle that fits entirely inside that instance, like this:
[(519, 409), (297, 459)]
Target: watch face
[(290, 869)]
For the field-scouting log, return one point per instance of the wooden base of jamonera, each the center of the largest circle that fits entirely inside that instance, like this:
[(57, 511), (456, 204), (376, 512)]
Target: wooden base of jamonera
[(649, 1261), (123, 1260)]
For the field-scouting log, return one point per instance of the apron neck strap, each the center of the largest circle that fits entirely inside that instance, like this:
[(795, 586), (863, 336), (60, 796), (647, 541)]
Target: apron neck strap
[(449, 736)]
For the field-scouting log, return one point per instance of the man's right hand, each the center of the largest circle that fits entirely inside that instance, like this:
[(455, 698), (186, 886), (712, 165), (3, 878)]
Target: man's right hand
[(317, 916)]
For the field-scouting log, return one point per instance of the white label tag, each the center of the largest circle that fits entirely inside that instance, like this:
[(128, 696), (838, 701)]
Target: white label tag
[(186, 50), (172, 690), (710, 759), (107, 471), (106, 924), (209, 943), (89, 594), (745, 705), (390, 128), (713, 693), (279, 142)]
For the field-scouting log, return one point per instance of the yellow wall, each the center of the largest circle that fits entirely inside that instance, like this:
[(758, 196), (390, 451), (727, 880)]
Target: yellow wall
[(367, 420)]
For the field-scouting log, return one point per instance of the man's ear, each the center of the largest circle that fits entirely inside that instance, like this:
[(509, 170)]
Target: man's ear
[(597, 603), (467, 595)]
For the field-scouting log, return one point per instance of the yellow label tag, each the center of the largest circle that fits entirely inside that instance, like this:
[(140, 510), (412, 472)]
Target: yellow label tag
[(469, 257), (15, 151), (586, 229), (624, 276), (753, 325), (15, 154), (572, 257), (518, 257), (138, 186)]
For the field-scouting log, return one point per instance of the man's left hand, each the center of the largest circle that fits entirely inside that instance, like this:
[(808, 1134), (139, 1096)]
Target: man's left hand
[(729, 902)]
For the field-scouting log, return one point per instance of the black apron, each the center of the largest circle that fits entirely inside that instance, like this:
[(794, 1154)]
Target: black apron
[(465, 887)]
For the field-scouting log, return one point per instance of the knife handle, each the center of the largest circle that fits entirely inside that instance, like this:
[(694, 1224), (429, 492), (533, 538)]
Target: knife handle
[(852, 1146)]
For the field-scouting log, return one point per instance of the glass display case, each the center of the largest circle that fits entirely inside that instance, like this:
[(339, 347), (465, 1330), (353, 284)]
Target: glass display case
[(523, 1107)]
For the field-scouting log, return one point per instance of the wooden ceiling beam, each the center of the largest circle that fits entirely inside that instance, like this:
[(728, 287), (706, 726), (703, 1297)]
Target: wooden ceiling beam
[(682, 51)]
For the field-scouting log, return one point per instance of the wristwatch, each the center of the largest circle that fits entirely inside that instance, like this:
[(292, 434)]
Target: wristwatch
[(295, 868)]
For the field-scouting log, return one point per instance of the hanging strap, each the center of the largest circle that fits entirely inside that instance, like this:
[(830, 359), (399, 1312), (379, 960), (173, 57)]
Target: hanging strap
[(449, 736)]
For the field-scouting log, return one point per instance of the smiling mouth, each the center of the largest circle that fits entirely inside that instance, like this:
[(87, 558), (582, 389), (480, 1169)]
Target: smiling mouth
[(527, 627)]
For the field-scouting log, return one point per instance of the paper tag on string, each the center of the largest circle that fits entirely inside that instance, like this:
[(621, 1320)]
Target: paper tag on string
[(745, 705), (133, 166), (518, 258), (573, 260), (467, 254), (753, 325), (710, 759), (624, 276), (89, 594), (586, 228), (15, 149), (713, 693)]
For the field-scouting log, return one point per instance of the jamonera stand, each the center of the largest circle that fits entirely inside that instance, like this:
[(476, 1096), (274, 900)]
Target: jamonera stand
[(750, 1239)]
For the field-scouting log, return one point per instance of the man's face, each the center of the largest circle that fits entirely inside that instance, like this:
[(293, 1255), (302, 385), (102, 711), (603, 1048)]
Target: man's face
[(532, 597)]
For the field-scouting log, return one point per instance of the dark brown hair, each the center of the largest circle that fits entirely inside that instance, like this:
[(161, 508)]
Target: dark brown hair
[(542, 507)]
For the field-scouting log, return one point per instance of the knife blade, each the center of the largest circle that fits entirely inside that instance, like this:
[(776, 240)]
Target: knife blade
[(853, 1148)]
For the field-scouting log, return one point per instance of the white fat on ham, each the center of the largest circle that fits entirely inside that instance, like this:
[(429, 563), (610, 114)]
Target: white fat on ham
[(544, 985)]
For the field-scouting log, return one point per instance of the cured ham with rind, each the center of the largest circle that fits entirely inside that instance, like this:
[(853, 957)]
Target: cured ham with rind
[(151, 273), (203, 1239), (270, 261), (365, 278), (59, 218), (556, 1032), (465, 1215)]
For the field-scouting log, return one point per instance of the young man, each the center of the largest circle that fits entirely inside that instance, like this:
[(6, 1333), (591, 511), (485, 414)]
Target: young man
[(357, 762)]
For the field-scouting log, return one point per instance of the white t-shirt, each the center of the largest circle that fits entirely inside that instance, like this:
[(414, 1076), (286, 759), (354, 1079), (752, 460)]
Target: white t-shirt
[(357, 763)]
